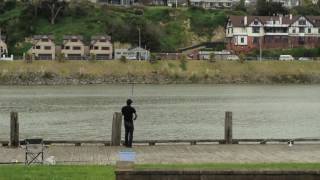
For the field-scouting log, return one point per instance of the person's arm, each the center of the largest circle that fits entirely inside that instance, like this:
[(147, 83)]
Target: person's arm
[(135, 116)]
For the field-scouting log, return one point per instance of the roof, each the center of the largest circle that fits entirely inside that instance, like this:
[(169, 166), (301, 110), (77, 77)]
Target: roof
[(238, 21), (69, 37), (3, 38), (101, 37), (94, 39), (137, 49), (38, 37)]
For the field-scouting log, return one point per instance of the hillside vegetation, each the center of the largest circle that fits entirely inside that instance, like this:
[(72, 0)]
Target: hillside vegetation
[(162, 28)]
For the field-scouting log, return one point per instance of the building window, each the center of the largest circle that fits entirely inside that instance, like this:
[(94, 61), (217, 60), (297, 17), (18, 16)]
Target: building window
[(103, 40), (96, 47), (301, 30), (309, 30), (293, 30), (255, 22), (256, 29), (45, 40), (76, 48), (105, 48), (228, 4), (47, 47), (255, 40), (38, 47), (242, 40), (302, 22), (67, 47), (74, 40)]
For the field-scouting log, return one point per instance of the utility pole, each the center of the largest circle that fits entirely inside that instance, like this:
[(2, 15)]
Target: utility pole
[(139, 43)]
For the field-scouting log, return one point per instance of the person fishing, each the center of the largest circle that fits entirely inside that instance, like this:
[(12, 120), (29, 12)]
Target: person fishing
[(128, 111)]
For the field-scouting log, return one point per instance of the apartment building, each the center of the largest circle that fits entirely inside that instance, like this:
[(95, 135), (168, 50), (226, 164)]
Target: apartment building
[(213, 4), (73, 47), (246, 33), (101, 47), (43, 47)]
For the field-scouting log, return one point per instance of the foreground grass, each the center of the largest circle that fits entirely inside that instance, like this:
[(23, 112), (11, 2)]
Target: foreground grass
[(57, 172), (81, 172)]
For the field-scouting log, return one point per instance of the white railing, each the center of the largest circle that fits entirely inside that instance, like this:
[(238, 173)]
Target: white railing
[(6, 58)]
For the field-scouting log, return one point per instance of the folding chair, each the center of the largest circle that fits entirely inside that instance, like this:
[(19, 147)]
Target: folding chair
[(34, 151)]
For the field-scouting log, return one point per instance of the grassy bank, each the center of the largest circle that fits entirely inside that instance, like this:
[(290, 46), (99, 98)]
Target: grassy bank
[(82, 172), (84, 72)]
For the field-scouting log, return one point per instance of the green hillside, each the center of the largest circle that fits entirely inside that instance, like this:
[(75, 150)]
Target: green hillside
[(162, 28)]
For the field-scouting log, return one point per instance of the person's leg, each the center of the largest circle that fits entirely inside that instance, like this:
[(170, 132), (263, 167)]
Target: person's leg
[(131, 136), (126, 136)]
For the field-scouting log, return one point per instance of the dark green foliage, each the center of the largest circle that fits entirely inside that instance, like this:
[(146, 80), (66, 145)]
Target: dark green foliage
[(241, 6), (269, 8), (203, 22), (162, 29), (308, 9)]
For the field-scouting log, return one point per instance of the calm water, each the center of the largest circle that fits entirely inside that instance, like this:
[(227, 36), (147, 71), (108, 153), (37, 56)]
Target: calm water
[(165, 111)]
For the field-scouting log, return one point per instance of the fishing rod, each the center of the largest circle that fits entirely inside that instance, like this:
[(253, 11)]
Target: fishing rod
[(132, 88)]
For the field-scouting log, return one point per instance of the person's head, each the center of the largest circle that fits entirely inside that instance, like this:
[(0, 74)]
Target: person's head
[(129, 102)]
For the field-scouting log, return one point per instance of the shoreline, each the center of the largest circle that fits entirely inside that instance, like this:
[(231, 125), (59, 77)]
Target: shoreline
[(163, 72)]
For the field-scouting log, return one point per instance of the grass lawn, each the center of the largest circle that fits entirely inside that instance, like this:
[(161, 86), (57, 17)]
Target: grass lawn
[(59, 172), (82, 172)]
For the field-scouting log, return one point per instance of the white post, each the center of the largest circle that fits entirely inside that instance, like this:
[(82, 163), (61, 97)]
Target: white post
[(260, 49), (139, 44)]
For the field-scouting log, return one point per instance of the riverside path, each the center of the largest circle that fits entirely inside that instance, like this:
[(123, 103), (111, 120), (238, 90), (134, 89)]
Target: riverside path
[(238, 153)]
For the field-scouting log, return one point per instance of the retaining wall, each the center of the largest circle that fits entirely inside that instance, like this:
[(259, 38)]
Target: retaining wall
[(215, 175)]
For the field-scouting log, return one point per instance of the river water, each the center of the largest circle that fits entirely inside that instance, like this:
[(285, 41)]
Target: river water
[(165, 111)]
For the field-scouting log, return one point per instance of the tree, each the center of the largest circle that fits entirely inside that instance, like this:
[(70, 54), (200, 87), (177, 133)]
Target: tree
[(264, 8), (241, 6), (79, 8), (36, 5), (54, 8)]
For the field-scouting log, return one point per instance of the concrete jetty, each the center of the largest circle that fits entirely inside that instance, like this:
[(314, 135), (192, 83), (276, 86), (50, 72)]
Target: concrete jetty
[(213, 153)]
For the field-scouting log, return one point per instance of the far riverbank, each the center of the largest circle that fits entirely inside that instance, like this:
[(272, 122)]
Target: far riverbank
[(162, 72)]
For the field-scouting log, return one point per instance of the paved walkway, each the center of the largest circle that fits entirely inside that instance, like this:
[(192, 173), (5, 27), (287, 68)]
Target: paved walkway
[(98, 154)]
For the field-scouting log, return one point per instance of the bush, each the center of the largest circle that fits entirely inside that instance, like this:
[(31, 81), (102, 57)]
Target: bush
[(153, 59), (60, 57), (212, 58), (183, 62), (92, 58), (28, 58), (123, 59), (242, 57)]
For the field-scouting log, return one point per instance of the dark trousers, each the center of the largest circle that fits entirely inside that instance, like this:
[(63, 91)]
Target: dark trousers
[(128, 135)]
